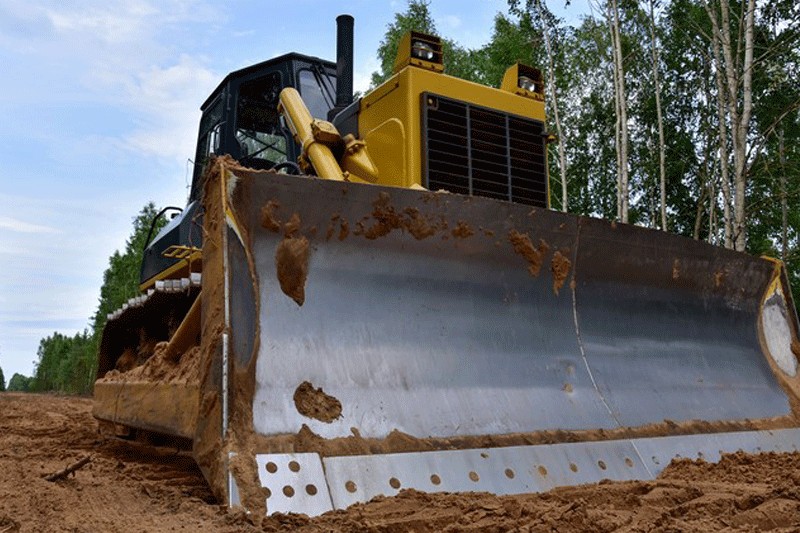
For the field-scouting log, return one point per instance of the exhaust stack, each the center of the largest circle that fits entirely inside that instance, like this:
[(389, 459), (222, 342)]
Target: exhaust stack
[(344, 64)]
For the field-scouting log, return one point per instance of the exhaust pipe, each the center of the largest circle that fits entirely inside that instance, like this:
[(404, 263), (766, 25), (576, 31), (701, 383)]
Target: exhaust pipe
[(344, 63)]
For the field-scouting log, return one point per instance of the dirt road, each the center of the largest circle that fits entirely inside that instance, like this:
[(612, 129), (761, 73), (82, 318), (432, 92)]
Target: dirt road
[(129, 487)]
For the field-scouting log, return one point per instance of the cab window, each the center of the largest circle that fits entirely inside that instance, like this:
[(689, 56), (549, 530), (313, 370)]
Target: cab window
[(318, 92), (208, 142), (262, 141)]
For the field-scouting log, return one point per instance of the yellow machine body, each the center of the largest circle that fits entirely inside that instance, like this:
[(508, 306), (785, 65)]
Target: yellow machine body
[(389, 118)]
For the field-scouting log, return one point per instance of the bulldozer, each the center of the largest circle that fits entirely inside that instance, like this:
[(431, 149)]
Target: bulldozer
[(368, 295)]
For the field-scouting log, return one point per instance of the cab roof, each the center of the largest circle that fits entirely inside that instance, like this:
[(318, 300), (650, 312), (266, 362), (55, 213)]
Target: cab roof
[(285, 58)]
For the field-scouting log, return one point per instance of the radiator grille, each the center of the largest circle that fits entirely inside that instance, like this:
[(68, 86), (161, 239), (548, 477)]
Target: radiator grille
[(468, 149)]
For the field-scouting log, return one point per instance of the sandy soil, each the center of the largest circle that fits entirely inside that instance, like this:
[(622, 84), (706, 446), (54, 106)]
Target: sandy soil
[(131, 487)]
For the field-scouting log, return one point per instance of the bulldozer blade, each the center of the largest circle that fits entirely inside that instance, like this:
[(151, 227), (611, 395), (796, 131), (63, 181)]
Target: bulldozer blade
[(399, 338), (129, 338)]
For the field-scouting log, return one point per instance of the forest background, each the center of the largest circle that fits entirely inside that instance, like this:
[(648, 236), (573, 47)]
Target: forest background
[(679, 115)]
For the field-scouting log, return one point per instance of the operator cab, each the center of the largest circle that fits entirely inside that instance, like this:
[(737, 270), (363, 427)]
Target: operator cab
[(241, 119)]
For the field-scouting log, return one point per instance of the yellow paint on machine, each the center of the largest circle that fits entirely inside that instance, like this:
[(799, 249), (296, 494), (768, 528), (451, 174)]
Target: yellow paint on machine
[(390, 118), (191, 263)]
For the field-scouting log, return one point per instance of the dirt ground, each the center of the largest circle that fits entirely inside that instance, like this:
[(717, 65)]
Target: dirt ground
[(130, 487)]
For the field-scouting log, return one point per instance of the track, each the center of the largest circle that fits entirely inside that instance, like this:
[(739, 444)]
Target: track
[(130, 487)]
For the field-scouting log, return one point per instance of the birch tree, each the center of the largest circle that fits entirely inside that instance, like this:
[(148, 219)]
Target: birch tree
[(722, 140), (545, 16), (784, 198), (621, 107), (662, 171), (734, 74)]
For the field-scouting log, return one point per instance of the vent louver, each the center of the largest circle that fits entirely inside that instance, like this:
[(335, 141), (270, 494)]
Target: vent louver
[(469, 149)]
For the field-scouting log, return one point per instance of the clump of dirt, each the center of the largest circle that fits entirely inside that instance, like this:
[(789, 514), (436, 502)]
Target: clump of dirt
[(331, 227), (676, 269), (533, 255), (132, 357), (344, 228), (559, 266), (291, 263), (462, 230), (291, 227), (314, 403), (417, 225), (269, 219), (127, 361), (385, 219)]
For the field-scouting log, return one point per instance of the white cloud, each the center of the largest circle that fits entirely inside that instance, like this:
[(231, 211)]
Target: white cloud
[(20, 226), (243, 33), (362, 75), (120, 55), (451, 22), (168, 100), (114, 24)]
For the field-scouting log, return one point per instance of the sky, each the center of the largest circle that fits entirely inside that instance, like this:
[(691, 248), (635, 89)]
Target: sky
[(99, 110)]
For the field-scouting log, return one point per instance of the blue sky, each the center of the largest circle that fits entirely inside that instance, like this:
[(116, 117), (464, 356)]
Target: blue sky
[(99, 111)]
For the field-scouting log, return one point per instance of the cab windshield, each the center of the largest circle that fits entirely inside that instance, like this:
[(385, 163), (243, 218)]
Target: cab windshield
[(318, 91), (262, 141)]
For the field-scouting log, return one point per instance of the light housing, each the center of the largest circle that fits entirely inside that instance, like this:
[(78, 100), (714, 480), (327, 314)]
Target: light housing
[(419, 50), (524, 80)]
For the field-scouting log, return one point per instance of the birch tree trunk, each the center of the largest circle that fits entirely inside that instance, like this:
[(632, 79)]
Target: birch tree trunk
[(737, 74), (707, 172), (784, 200), (662, 172), (723, 138), (622, 112), (551, 81), (617, 130), (743, 128), (617, 113)]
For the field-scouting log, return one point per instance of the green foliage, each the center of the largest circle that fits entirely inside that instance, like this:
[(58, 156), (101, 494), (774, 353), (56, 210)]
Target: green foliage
[(2, 381), (513, 41), (416, 18), (19, 383), (65, 364), (69, 364), (458, 61)]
